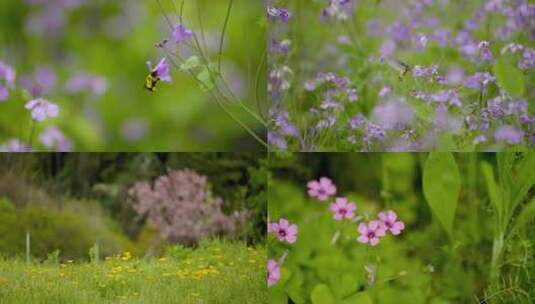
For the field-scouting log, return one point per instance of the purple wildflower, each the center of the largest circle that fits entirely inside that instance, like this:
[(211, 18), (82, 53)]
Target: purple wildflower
[(14, 145), (510, 134), (342, 209), (321, 189), (371, 233), (181, 34), (273, 272), (284, 231), (278, 13), (390, 221), (42, 108), (52, 137)]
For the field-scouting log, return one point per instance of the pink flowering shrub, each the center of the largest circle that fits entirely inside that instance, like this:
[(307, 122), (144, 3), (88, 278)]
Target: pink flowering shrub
[(182, 207)]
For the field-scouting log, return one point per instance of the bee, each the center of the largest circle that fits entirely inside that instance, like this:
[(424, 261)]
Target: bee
[(398, 65), (152, 81)]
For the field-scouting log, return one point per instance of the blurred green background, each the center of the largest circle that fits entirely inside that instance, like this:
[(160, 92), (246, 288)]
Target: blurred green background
[(70, 201), (423, 264), (113, 39)]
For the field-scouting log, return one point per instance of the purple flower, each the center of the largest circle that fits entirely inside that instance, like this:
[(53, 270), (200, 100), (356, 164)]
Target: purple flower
[(528, 59), (181, 33), (400, 32), (161, 70), (8, 74), (479, 80), (341, 209), (425, 72), (14, 145), (42, 108), (321, 189), (385, 91), (339, 9), (484, 51), (390, 222), (86, 82), (133, 130), (371, 233), (278, 13), (4, 93), (273, 272), (52, 137), (277, 140), (510, 134), (284, 231)]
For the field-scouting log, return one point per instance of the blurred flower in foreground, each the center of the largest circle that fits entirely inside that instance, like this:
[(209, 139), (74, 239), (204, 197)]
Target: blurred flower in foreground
[(86, 82), (509, 134), (52, 137), (341, 209), (14, 145), (371, 232), (8, 75), (273, 272), (134, 129), (389, 220), (322, 189), (284, 231), (42, 108)]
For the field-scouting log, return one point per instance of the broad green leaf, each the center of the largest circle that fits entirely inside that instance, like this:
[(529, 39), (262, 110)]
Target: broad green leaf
[(358, 298), (509, 77), (321, 294), (345, 285), (441, 185), (190, 63), (277, 295)]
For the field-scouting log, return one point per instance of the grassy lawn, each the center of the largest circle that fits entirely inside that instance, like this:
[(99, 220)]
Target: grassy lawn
[(215, 272)]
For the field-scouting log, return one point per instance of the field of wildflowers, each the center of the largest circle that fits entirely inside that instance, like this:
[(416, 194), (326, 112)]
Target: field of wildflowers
[(410, 75), (132, 228), (216, 272), (166, 75), (401, 228)]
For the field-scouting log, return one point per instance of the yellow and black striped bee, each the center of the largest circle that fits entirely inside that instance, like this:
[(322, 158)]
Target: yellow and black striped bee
[(152, 81)]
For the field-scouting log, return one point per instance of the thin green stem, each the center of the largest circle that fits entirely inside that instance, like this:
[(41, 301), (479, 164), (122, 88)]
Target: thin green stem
[(222, 38)]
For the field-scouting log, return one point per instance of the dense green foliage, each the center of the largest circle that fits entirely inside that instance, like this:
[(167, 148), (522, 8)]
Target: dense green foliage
[(457, 245)]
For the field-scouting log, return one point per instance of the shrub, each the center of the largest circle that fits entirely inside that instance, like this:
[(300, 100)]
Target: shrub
[(181, 206)]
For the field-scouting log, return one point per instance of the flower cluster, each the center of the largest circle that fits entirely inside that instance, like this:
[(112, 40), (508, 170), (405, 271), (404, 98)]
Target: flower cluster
[(323, 190), (453, 77)]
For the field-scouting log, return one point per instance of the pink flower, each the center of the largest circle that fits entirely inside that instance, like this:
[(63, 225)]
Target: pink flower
[(273, 272), (371, 232), (42, 108), (343, 209), (322, 189), (388, 218), (284, 231)]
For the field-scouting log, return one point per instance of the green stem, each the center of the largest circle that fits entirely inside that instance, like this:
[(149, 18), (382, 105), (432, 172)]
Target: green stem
[(227, 17)]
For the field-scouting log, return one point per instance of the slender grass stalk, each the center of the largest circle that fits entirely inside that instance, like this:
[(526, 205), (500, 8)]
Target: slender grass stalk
[(222, 38)]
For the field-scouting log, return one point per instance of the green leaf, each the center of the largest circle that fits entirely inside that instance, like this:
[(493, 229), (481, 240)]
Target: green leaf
[(524, 179), (441, 185), (190, 63), (509, 77), (205, 78), (525, 217), (358, 298), (321, 294)]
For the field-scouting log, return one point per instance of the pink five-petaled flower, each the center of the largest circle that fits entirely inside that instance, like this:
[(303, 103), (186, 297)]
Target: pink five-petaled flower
[(371, 232), (273, 272), (341, 209), (42, 108), (390, 222), (181, 33), (284, 231), (322, 189)]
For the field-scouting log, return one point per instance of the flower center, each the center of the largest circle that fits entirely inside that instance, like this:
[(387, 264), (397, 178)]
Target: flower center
[(282, 233)]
